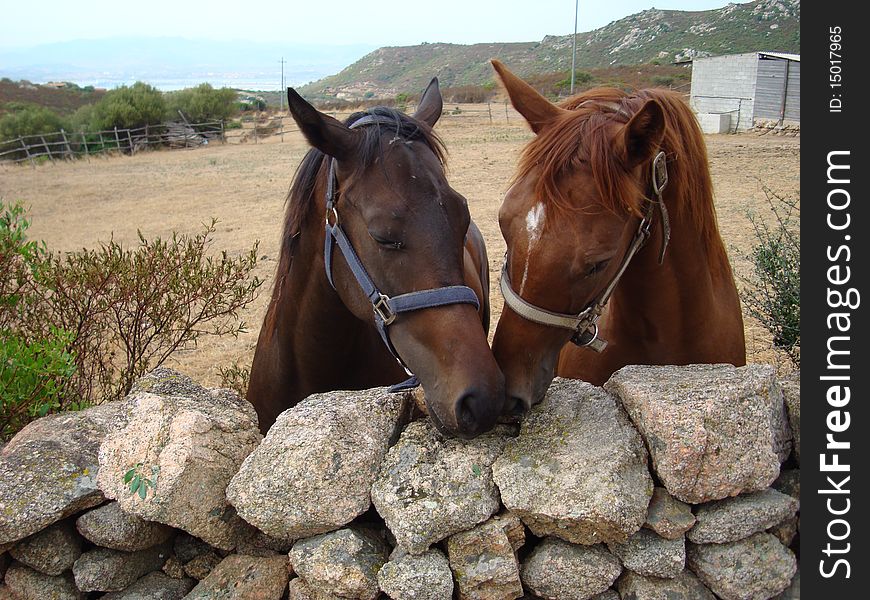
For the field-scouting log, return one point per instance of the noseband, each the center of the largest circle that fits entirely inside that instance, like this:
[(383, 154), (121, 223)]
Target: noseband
[(585, 324), (386, 309)]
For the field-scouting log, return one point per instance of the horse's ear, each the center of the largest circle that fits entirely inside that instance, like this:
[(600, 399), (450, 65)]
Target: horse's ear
[(535, 108), (643, 134), (431, 104), (330, 136)]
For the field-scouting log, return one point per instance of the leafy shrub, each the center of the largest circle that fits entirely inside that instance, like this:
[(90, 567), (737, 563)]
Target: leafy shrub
[(35, 363), (129, 107), (28, 119), (81, 327), (202, 103), (663, 80), (773, 292), (33, 375), (235, 378), (580, 78), (132, 309)]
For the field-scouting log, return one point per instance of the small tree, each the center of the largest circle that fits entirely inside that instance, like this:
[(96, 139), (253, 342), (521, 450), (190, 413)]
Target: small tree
[(129, 107), (203, 103), (773, 288), (28, 119)]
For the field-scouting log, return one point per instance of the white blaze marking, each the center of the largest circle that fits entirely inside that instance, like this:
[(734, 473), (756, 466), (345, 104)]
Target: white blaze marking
[(534, 226)]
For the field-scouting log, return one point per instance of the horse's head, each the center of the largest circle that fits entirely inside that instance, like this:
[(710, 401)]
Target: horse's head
[(569, 219), (407, 227)]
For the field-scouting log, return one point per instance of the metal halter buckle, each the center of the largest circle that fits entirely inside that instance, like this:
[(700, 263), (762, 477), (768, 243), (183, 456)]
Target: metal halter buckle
[(659, 173), (383, 310)]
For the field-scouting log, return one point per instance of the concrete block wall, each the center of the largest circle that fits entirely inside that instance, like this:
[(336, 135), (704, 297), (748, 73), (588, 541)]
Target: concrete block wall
[(722, 84)]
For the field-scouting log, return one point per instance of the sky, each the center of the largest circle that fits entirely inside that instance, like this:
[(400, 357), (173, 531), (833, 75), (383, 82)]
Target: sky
[(26, 24)]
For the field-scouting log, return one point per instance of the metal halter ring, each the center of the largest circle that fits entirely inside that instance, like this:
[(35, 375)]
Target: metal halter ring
[(334, 211)]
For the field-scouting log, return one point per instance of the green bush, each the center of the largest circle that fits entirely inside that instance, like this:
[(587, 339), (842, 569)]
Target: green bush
[(129, 107), (35, 361), (772, 294), (81, 327), (663, 81), (28, 119), (202, 103), (580, 78)]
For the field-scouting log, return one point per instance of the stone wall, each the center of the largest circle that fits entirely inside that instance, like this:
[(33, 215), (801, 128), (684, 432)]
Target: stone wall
[(667, 483)]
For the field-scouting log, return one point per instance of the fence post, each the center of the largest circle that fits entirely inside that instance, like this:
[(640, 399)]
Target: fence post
[(117, 140), (489, 110), (47, 149), (85, 144), (130, 139), (223, 133), (66, 143), (27, 151)]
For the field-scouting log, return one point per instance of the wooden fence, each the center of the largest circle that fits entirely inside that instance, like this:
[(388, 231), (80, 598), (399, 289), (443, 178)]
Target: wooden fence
[(63, 145)]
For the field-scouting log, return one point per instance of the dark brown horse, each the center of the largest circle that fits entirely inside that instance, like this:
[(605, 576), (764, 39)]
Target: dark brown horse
[(609, 183), (386, 283)]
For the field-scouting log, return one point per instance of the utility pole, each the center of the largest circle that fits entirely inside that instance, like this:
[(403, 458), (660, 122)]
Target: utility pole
[(283, 90), (574, 50)]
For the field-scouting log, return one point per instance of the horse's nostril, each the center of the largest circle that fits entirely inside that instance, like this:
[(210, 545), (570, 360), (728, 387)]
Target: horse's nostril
[(516, 407), (466, 418)]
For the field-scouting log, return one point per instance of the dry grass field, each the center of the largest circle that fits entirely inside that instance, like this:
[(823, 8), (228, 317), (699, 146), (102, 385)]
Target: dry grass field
[(80, 204)]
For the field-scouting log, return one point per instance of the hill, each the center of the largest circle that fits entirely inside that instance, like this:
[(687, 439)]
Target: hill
[(63, 100), (661, 36)]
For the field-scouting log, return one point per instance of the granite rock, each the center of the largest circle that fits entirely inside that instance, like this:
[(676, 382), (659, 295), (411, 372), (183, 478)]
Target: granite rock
[(578, 469), (710, 429), (186, 442)]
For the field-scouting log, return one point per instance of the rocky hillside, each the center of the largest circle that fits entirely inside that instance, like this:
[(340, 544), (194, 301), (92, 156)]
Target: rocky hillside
[(652, 35)]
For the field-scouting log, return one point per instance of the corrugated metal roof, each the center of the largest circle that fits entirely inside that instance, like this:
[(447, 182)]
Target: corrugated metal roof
[(782, 55)]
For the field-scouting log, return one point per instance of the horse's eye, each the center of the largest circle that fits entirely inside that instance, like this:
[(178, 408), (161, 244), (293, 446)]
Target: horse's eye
[(597, 267), (387, 243)]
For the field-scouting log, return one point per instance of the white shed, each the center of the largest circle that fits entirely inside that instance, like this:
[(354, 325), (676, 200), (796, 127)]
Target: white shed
[(736, 90)]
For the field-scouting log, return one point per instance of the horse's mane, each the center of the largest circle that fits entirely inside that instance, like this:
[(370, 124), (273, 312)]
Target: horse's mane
[(581, 136), (300, 199)]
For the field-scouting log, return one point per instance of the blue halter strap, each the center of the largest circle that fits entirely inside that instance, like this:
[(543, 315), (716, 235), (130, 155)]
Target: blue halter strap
[(386, 309)]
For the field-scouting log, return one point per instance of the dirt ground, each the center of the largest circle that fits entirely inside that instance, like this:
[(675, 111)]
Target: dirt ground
[(80, 204)]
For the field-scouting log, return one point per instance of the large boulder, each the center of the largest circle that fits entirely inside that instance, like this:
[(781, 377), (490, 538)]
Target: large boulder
[(154, 586), (109, 526), (343, 563), (314, 471), (184, 443), (484, 560), (667, 516), (578, 469), (106, 570), (647, 553), (736, 518), (242, 577), (685, 586), (52, 550), (755, 568), (49, 470), (27, 584), (425, 576), (560, 570), (430, 488), (712, 430)]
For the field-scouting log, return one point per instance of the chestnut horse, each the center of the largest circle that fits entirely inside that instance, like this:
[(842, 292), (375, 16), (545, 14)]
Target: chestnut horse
[(397, 281), (610, 227)]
